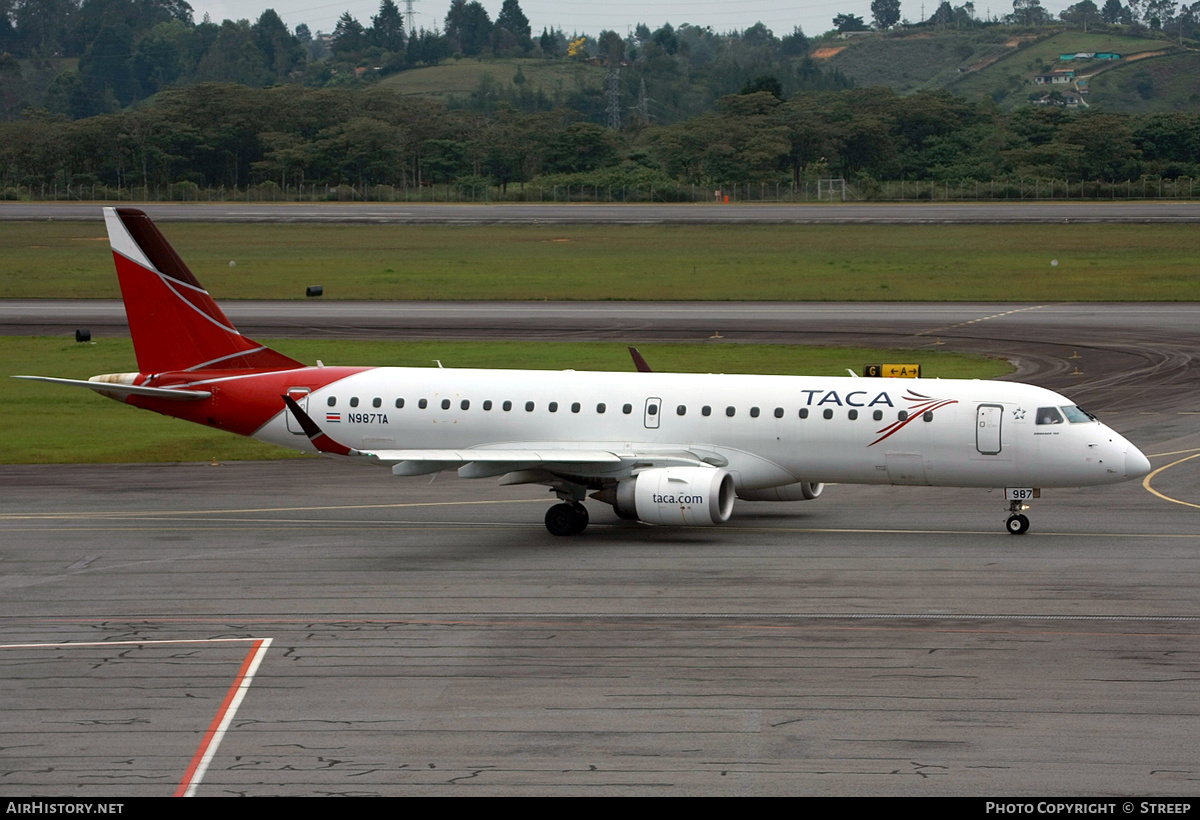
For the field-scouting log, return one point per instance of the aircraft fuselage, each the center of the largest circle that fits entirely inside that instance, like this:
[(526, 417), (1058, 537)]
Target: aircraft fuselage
[(765, 430)]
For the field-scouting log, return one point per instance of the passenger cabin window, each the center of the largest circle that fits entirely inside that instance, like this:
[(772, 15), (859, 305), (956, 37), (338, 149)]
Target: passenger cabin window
[(778, 412), (706, 410), (828, 413), (354, 401), (902, 415), (506, 406), (600, 408), (553, 407), (729, 411), (1049, 415), (423, 403), (466, 404), (399, 403), (487, 404), (445, 404), (574, 407), (528, 407), (753, 412), (331, 401), (853, 414), (627, 409), (377, 402), (877, 415), (681, 410), (803, 412), (927, 415)]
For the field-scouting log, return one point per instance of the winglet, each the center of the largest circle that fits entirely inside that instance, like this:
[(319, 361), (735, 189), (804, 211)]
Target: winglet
[(639, 362), (319, 440)]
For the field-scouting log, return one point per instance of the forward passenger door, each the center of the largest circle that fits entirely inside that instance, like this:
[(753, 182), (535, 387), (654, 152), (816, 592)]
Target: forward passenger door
[(988, 420)]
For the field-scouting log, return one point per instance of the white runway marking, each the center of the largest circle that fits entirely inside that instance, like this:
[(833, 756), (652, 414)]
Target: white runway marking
[(216, 731), (225, 714)]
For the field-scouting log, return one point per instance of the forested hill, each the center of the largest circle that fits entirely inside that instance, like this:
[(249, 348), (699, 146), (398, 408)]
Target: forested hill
[(118, 95), (80, 58)]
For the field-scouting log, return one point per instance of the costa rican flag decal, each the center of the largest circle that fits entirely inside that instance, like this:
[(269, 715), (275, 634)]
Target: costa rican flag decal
[(333, 417)]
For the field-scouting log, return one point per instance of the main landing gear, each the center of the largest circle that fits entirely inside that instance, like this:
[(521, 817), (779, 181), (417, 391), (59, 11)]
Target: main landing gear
[(567, 519)]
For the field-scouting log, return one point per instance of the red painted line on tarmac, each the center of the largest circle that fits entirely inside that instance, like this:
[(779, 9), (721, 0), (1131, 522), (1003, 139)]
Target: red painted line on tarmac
[(216, 730)]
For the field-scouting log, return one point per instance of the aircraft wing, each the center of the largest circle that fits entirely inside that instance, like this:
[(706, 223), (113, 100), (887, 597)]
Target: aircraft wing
[(483, 462), (516, 457)]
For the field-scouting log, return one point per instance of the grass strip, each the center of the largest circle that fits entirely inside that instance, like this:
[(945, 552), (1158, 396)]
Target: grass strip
[(1000, 263)]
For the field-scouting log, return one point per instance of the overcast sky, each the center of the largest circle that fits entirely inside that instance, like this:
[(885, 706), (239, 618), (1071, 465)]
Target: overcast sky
[(593, 16)]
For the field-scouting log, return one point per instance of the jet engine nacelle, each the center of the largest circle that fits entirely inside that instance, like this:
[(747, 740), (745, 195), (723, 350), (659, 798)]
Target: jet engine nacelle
[(677, 496), (800, 491)]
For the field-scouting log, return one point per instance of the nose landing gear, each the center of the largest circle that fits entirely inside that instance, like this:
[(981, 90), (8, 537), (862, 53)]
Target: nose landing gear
[(1018, 524)]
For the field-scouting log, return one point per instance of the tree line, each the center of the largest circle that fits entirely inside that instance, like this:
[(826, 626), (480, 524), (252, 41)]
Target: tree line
[(224, 135)]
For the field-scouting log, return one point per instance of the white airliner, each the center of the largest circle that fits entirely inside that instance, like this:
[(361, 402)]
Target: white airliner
[(668, 449)]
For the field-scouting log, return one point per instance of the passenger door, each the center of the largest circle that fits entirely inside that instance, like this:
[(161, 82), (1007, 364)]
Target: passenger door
[(988, 420), (300, 396)]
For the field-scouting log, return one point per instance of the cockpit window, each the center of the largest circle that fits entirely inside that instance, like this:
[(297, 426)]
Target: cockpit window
[(1049, 415), (1077, 415)]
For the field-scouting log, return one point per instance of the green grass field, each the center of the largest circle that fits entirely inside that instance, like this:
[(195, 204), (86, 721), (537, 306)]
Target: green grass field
[(44, 423), (1153, 85), (720, 262)]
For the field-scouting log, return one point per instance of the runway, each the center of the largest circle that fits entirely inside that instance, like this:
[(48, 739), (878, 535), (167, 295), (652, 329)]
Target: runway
[(1140, 358), (549, 213)]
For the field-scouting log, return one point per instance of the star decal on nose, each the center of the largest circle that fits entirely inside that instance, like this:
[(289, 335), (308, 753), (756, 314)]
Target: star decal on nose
[(1019, 413)]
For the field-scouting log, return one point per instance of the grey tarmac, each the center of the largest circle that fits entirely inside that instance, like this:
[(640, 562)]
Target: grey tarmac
[(1137, 357), (763, 213), (429, 637)]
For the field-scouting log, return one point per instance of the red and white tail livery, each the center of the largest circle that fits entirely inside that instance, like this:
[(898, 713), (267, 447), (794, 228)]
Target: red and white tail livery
[(663, 448)]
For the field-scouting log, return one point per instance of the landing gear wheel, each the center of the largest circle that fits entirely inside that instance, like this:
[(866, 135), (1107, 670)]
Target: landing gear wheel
[(581, 518), (1017, 524), (566, 519)]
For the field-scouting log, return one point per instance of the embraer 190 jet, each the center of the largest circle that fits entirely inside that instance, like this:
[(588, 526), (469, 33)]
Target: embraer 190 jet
[(661, 448)]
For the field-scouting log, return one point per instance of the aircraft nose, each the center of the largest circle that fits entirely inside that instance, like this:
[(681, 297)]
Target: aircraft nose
[(1136, 464)]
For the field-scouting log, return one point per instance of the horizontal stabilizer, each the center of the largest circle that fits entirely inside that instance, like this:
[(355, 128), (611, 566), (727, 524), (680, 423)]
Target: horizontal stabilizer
[(122, 390)]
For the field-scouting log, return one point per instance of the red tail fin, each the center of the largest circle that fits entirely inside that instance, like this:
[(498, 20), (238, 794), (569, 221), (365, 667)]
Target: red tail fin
[(175, 324)]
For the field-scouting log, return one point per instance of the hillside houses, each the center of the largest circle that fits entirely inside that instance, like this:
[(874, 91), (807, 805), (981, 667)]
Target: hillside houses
[(1060, 76)]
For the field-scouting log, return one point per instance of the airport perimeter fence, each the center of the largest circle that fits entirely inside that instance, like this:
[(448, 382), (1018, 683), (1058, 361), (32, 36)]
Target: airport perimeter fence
[(1034, 189)]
